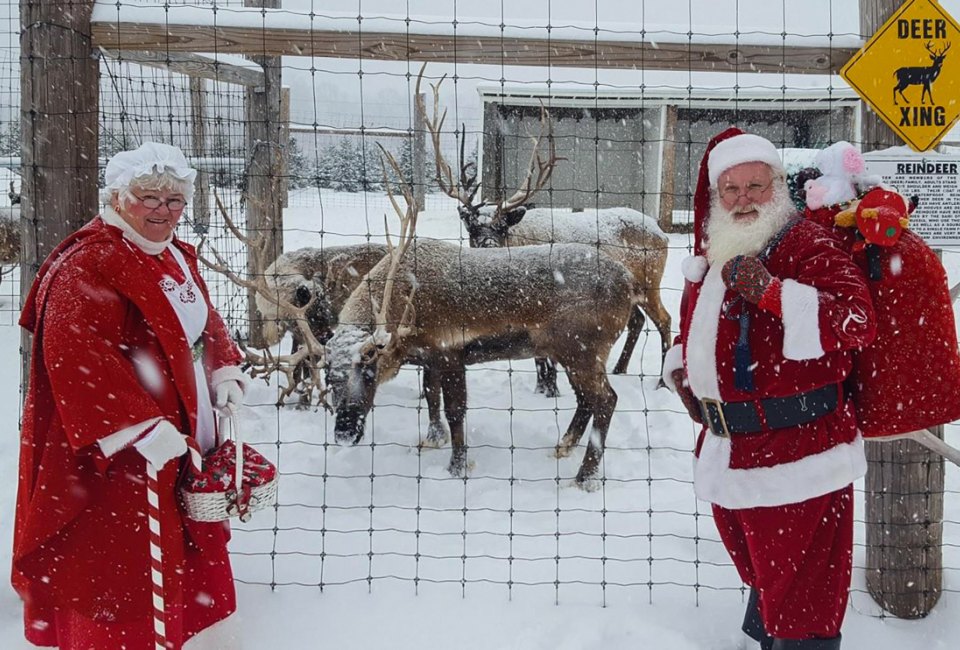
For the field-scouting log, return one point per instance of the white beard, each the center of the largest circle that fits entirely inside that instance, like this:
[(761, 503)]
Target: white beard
[(727, 237)]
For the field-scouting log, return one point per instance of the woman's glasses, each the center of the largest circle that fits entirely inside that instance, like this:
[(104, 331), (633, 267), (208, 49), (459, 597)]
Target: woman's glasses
[(154, 202), (753, 191)]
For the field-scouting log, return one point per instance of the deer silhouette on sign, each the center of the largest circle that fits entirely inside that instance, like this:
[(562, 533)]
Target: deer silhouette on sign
[(920, 75)]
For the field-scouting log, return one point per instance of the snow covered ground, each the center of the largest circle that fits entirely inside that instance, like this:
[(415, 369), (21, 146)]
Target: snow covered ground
[(376, 546)]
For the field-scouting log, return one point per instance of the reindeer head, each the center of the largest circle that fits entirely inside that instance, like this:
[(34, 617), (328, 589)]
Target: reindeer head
[(487, 224), (361, 356)]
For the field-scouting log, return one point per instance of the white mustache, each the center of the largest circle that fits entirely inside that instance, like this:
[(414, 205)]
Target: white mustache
[(744, 209)]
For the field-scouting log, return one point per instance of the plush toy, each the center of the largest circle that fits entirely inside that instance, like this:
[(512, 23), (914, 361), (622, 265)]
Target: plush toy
[(842, 170), (880, 216)]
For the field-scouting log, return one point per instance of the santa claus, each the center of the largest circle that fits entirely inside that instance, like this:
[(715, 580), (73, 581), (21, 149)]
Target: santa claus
[(772, 310)]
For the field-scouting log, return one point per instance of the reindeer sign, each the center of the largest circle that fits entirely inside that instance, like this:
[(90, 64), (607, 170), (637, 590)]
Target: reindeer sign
[(905, 75)]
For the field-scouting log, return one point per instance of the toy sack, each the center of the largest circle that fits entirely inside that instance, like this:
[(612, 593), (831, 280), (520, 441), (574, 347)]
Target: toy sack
[(908, 379)]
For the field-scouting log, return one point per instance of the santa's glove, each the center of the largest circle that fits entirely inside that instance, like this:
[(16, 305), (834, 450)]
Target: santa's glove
[(747, 275), (692, 404), (228, 395), (161, 445)]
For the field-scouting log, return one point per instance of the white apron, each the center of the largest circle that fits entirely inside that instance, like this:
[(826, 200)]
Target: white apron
[(191, 309)]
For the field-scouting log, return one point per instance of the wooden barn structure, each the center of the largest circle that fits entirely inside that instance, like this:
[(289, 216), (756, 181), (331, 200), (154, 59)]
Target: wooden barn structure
[(640, 149)]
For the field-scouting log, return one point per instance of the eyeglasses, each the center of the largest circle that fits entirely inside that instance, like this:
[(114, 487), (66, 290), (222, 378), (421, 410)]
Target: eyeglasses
[(153, 202), (753, 191)]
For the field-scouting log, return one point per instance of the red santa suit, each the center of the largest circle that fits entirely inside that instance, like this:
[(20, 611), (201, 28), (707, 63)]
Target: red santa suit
[(782, 492), (111, 355)]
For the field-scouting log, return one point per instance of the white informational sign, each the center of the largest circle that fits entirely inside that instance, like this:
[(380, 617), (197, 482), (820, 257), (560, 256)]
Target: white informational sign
[(935, 179)]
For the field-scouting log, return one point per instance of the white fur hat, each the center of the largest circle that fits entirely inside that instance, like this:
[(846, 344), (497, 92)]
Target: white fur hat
[(127, 166), (743, 148)]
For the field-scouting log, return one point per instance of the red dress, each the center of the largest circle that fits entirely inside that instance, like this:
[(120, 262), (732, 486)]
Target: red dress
[(109, 353)]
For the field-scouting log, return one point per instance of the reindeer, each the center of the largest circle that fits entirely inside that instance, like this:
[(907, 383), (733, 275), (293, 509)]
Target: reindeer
[(628, 236), (443, 304), (326, 276), (920, 75)]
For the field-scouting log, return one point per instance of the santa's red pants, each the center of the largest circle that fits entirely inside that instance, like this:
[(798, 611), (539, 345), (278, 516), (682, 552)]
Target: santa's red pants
[(799, 558)]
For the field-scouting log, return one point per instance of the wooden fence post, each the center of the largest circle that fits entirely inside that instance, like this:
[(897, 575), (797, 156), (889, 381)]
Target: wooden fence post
[(198, 141), (904, 484), (59, 111), (264, 195)]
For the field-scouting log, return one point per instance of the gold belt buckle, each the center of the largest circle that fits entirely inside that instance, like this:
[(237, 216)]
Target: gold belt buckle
[(707, 402)]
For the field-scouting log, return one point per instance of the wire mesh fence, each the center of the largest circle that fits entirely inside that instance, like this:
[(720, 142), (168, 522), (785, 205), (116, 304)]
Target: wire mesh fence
[(386, 509)]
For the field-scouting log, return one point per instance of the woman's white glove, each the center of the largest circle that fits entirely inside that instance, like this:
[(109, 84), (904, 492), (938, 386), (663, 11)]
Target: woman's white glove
[(161, 445), (228, 395)]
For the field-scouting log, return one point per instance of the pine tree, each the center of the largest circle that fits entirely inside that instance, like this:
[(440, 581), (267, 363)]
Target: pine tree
[(10, 138), (298, 167), (347, 172)]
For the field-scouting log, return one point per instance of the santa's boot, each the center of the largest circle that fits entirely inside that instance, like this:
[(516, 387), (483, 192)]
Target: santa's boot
[(752, 623), (807, 644)]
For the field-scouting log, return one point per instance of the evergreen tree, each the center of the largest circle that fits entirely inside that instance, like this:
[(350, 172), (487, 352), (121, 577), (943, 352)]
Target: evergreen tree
[(298, 167), (10, 138), (324, 171), (347, 174)]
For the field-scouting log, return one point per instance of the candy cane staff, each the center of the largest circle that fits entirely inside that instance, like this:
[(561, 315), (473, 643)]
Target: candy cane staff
[(129, 358)]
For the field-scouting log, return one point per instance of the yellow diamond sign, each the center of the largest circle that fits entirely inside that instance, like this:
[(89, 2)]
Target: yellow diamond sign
[(908, 74)]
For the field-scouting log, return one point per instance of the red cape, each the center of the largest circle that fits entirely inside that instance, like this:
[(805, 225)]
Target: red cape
[(109, 352)]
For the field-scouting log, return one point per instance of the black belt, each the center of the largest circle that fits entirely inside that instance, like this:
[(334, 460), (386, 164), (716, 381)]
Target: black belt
[(725, 418)]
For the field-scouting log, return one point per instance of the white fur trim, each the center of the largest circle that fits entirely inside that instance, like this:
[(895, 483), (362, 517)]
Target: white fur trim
[(111, 444), (672, 360), (739, 149), (801, 321), (694, 267), (701, 340), (779, 485), (228, 373)]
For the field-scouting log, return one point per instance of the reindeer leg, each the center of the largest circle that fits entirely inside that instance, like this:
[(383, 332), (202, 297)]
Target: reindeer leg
[(605, 402), (634, 327), (437, 433), (578, 424), (454, 384), (547, 377)]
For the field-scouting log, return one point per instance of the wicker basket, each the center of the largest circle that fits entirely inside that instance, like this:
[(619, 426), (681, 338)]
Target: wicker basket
[(209, 490)]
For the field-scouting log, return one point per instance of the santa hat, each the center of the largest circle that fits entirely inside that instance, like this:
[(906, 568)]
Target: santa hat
[(725, 150)]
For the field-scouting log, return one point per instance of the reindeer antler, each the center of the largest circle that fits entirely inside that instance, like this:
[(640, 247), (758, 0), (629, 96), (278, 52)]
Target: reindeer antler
[(310, 356), (408, 226), (466, 188), (543, 168)]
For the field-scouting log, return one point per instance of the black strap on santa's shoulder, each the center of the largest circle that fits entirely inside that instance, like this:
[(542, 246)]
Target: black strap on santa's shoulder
[(742, 356)]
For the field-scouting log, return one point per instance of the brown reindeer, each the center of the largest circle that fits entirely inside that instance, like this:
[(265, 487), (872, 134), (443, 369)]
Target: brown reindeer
[(326, 276), (920, 75), (624, 234), (445, 304)]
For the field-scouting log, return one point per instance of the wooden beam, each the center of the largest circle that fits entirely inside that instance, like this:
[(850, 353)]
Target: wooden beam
[(192, 65), (490, 50)]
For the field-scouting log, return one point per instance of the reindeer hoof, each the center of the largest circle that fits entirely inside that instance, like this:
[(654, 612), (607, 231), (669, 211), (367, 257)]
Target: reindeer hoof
[(548, 390), (437, 436), (460, 470), (587, 483), (619, 370), (562, 451)]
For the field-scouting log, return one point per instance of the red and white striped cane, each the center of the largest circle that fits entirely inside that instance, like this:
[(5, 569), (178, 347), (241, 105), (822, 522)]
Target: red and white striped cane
[(156, 559)]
